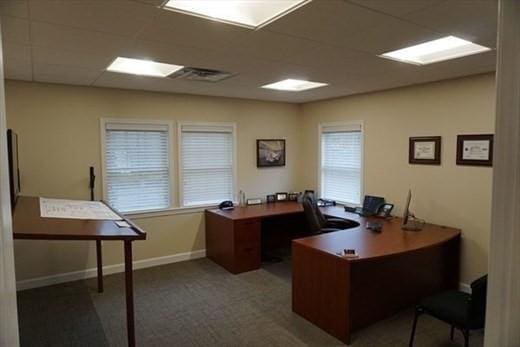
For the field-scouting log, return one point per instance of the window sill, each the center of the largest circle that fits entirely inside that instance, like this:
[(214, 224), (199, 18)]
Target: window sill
[(168, 211)]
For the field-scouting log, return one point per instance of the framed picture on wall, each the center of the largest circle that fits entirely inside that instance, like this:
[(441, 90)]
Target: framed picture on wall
[(270, 153), (475, 150), (425, 150)]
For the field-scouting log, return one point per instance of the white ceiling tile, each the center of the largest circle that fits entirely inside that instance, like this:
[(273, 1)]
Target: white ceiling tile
[(15, 30), (327, 21), (177, 28), (390, 34), (396, 7), (17, 62), (331, 41), (15, 8), (64, 74), (67, 38), (166, 53), (121, 17), (117, 80), (93, 60), (473, 20)]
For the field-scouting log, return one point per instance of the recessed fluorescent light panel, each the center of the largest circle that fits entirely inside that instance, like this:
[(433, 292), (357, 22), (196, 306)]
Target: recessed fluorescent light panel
[(293, 85), (142, 67), (251, 14), (449, 47)]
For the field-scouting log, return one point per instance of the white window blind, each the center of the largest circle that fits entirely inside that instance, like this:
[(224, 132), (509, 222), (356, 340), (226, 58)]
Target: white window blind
[(341, 158), (137, 166), (206, 164)]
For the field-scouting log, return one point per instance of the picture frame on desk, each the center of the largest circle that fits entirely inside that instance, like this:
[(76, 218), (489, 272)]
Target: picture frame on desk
[(270, 198), (424, 150), (293, 196), (475, 150), (281, 197)]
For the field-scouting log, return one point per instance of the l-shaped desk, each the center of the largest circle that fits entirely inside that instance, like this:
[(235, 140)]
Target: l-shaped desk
[(393, 271)]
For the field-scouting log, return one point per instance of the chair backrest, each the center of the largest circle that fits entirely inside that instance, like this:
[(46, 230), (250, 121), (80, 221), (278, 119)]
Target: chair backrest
[(478, 301), (321, 218), (310, 214)]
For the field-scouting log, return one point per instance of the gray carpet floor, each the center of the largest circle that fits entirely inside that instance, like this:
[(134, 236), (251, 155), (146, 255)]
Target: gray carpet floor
[(197, 303)]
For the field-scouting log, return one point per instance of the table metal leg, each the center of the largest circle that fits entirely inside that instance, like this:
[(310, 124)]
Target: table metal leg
[(129, 294), (99, 255)]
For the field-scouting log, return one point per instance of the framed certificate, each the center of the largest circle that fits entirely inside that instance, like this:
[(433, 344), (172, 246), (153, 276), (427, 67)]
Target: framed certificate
[(425, 150), (476, 150)]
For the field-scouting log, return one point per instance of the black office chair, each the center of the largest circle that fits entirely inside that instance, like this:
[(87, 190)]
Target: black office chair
[(461, 310), (317, 222)]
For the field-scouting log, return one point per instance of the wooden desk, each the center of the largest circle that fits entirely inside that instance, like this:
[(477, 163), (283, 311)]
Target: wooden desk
[(233, 238), (395, 269), (28, 224)]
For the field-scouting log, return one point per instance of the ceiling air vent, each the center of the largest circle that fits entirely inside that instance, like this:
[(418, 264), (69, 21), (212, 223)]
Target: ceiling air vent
[(203, 75)]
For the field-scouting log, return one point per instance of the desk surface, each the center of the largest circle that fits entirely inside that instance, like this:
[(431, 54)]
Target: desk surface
[(260, 211), (28, 224), (369, 245)]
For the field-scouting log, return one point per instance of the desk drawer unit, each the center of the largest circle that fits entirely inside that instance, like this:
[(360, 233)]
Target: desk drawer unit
[(247, 245), (233, 244)]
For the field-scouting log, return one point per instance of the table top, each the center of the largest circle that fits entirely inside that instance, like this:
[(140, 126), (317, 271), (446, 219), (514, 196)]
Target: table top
[(368, 244), (28, 224)]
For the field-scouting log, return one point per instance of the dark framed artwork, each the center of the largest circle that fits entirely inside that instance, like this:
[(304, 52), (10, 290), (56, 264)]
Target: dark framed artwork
[(475, 150), (270, 153), (425, 150)]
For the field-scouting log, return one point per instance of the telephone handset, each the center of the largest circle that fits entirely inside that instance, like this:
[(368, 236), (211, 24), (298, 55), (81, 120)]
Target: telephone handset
[(384, 210)]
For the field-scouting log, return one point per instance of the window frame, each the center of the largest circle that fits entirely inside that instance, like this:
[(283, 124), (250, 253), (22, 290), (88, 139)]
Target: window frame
[(343, 124), (233, 127), (171, 165)]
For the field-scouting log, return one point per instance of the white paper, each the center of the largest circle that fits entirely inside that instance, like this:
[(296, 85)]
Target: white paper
[(475, 150), (76, 209), (424, 150)]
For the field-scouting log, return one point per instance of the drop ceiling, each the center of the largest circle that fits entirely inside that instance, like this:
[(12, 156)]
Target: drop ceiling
[(331, 41)]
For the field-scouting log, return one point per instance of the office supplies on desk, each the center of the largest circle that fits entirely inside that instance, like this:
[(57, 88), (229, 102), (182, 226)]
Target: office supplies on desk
[(374, 226), (256, 201), (325, 202)]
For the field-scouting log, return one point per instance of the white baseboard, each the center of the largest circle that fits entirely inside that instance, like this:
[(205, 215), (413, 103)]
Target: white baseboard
[(464, 287), (107, 270)]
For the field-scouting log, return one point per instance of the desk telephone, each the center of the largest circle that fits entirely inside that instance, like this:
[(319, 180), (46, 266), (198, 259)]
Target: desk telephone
[(372, 206)]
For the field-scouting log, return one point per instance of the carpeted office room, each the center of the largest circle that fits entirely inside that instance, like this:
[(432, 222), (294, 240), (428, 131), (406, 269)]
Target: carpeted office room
[(228, 173)]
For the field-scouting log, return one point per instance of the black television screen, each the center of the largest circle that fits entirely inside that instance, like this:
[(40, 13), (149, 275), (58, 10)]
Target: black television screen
[(14, 173)]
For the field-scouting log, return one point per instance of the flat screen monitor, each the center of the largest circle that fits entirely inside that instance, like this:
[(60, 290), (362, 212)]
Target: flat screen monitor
[(14, 172), (406, 213)]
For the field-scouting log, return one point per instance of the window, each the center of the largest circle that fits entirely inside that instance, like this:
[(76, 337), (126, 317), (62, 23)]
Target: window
[(206, 163), (137, 165), (341, 162)]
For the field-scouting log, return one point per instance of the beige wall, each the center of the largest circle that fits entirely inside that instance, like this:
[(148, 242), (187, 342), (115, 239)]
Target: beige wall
[(58, 128), (448, 194), (59, 135)]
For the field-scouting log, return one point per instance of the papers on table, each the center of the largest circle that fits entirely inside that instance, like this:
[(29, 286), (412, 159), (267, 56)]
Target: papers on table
[(76, 209)]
